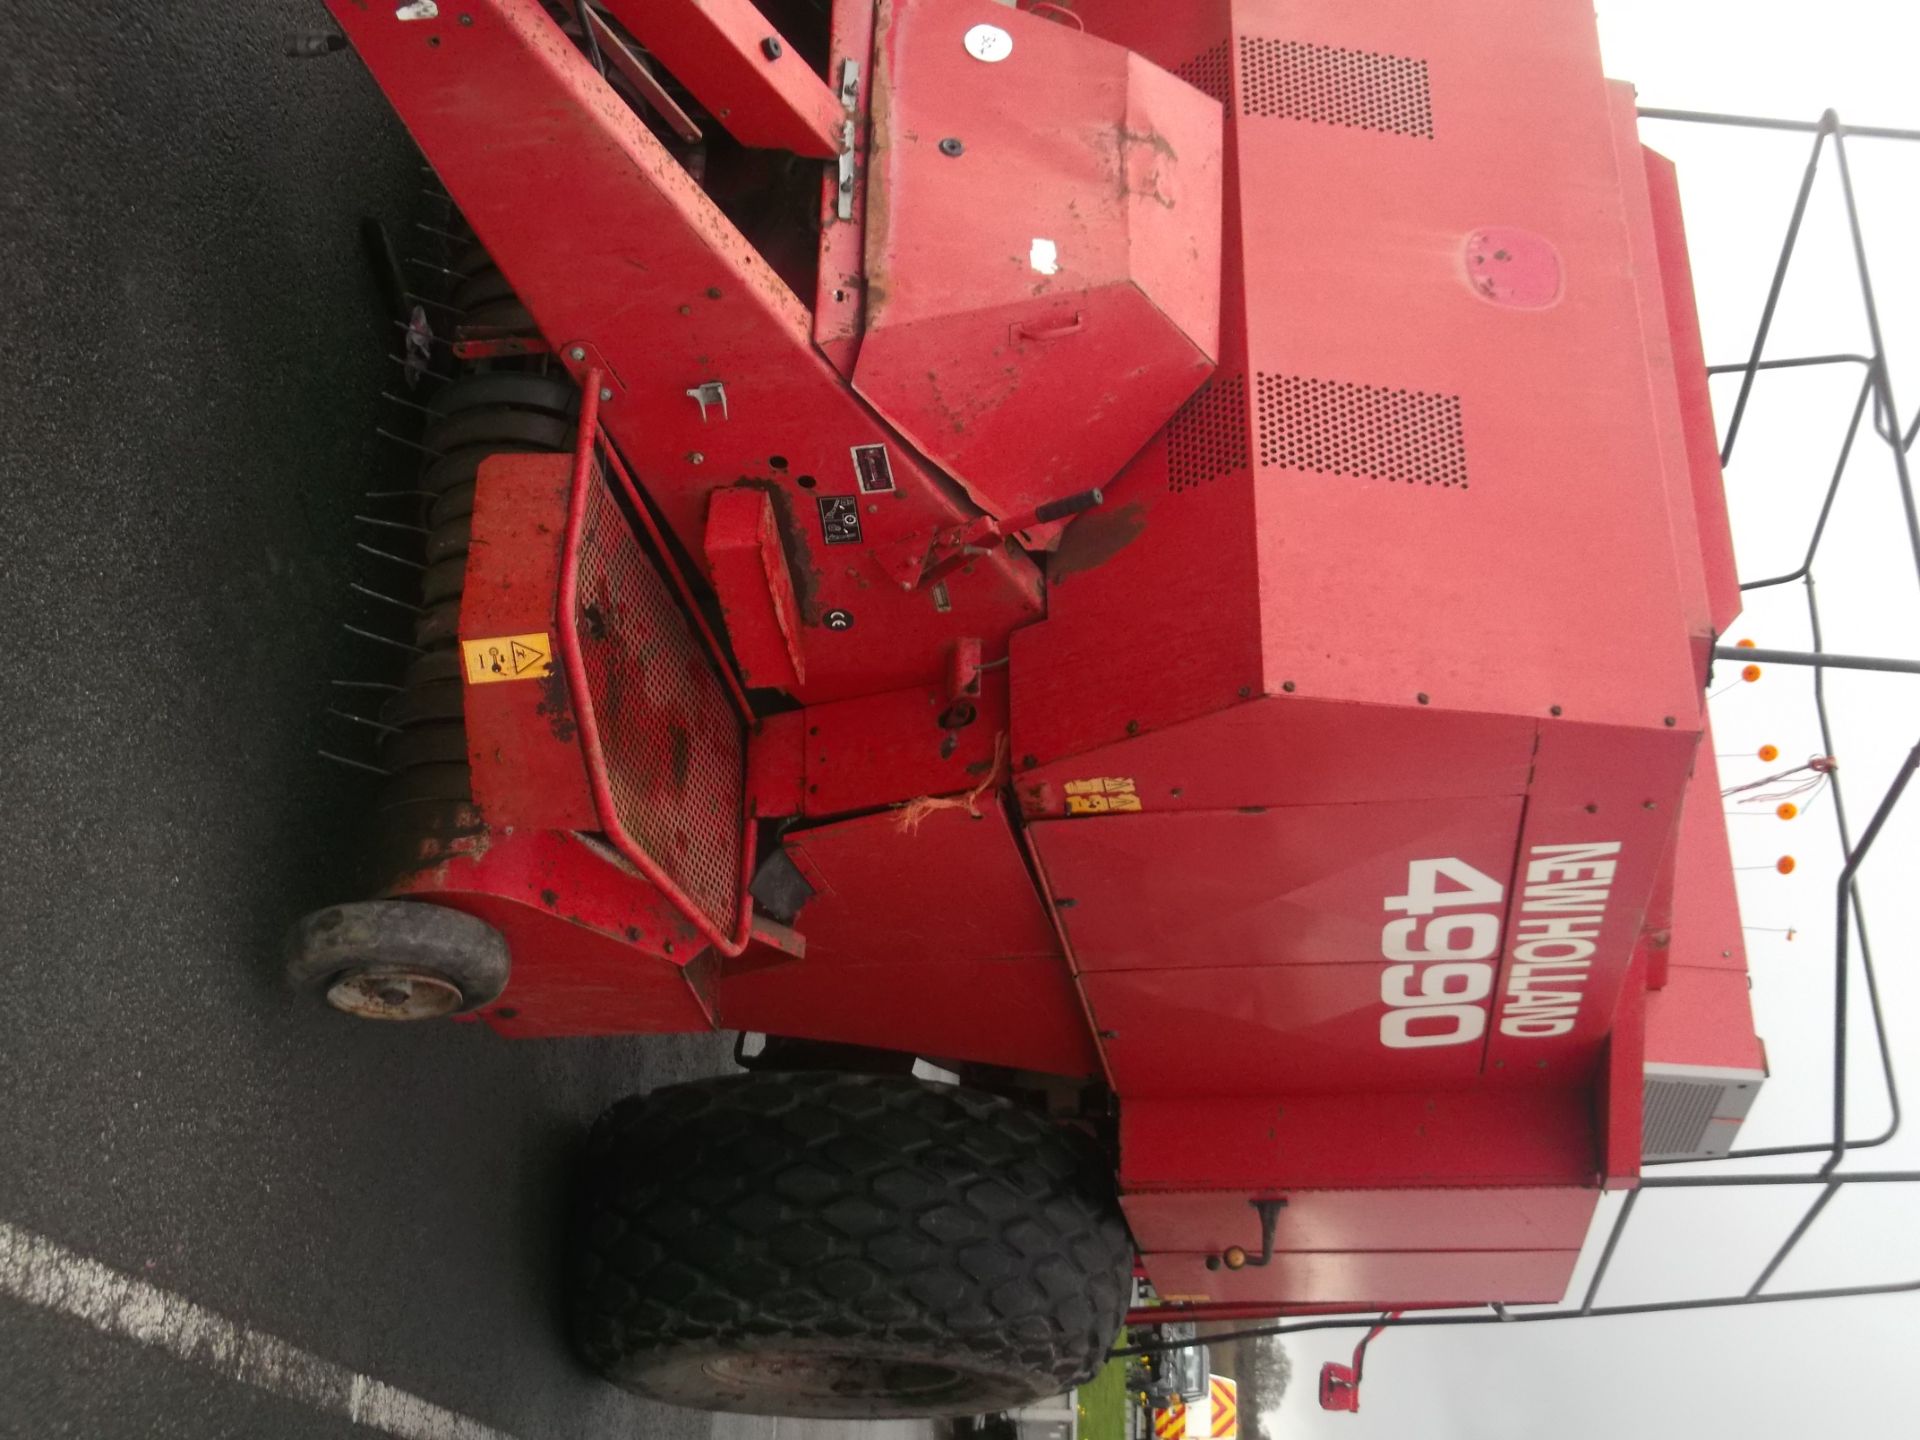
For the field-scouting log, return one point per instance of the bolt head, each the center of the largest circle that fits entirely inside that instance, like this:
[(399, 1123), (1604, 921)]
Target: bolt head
[(578, 352), (952, 146), (605, 393), (770, 47)]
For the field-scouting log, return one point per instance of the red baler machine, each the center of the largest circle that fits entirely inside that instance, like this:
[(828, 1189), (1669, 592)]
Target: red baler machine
[(1162, 559)]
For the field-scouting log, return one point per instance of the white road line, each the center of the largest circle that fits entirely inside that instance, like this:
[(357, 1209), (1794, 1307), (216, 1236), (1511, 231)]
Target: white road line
[(40, 1272)]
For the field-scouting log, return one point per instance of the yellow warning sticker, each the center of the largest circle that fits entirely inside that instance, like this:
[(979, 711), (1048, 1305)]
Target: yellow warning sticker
[(1104, 795), (508, 657)]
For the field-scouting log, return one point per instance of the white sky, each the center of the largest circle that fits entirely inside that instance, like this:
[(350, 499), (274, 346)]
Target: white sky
[(1831, 1367)]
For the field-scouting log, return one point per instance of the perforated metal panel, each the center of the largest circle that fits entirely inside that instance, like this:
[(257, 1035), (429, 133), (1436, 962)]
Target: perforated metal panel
[(1207, 438), (673, 746), (1336, 427), (1210, 72), (1327, 85)]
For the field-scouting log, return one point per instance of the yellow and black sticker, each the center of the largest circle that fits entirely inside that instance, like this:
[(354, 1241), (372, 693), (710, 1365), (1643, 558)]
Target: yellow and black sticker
[(508, 657), (1105, 795)]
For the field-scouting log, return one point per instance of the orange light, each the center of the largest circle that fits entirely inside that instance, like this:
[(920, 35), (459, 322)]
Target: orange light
[(1769, 753), (1744, 644), (1750, 673), (1787, 810), (1785, 864), (1790, 935)]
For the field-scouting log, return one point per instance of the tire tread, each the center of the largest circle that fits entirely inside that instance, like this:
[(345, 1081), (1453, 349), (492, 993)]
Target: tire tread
[(807, 1207)]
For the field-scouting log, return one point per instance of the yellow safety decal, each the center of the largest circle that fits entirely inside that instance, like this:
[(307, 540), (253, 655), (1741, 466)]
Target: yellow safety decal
[(1107, 795), (508, 657)]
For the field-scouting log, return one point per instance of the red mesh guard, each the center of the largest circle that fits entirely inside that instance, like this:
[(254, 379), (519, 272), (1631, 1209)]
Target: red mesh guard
[(665, 745)]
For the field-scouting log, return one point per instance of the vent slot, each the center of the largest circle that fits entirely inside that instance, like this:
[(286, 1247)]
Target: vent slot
[(1209, 72), (1361, 89), (1331, 427), (1675, 1116), (1207, 437)]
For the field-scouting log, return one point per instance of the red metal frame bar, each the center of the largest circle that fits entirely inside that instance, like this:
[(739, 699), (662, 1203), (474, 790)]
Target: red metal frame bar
[(741, 69), (585, 450), (1218, 1311)]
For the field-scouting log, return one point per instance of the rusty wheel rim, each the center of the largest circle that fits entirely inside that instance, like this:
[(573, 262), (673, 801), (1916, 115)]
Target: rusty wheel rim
[(394, 994)]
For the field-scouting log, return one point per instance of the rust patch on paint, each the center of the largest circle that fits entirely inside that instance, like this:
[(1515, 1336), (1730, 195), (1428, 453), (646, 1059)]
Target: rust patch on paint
[(556, 705)]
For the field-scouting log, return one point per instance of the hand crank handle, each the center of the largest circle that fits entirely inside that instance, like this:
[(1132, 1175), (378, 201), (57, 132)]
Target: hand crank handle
[(1235, 1257)]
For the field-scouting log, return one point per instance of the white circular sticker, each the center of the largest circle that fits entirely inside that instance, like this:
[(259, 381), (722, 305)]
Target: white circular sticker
[(989, 43)]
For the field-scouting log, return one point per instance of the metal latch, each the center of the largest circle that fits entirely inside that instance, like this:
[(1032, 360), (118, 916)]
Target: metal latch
[(849, 97), (710, 392), (1235, 1257)]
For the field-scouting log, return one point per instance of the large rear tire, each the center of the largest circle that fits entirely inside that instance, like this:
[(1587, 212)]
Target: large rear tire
[(844, 1245)]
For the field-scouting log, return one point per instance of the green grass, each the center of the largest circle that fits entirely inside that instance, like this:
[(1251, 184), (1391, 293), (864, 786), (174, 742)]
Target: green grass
[(1103, 1404)]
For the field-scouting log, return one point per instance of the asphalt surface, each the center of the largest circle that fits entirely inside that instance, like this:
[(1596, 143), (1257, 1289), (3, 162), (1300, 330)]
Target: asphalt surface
[(191, 354)]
